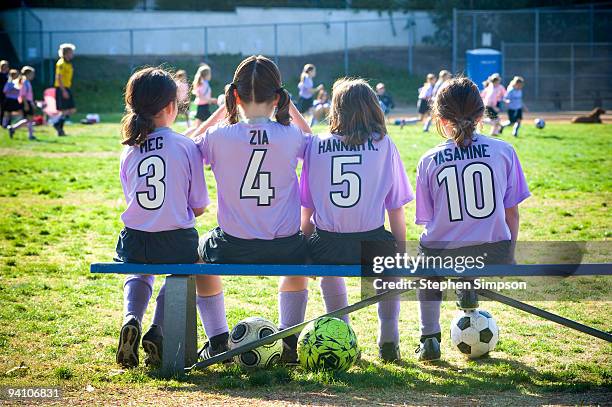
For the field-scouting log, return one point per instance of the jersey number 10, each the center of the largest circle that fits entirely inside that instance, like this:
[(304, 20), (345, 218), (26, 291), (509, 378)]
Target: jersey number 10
[(449, 177)]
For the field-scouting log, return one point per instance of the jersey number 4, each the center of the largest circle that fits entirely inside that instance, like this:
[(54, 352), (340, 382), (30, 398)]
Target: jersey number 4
[(256, 184), (475, 209), (154, 197)]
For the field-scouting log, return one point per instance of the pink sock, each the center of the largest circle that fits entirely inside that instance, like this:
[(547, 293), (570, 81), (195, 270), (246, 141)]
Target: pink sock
[(333, 290), (137, 291), (292, 307), (212, 314)]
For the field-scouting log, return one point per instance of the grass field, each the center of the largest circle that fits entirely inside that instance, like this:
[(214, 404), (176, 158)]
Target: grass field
[(60, 201)]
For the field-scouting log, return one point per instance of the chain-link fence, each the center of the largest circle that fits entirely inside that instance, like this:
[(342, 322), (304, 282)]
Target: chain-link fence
[(565, 56)]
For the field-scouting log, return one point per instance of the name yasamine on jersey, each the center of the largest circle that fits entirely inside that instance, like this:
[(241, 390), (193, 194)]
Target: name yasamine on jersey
[(461, 153)]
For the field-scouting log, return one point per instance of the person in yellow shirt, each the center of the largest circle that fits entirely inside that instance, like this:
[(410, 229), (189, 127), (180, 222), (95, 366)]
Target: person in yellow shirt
[(63, 85)]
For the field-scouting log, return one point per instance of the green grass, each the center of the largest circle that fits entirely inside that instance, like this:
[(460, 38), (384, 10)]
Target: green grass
[(60, 201)]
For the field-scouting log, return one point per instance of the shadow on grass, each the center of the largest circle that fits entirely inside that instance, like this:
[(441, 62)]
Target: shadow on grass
[(368, 381)]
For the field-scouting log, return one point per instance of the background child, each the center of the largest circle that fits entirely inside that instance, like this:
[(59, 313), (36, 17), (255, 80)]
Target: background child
[(339, 216), (321, 107), (385, 99), (4, 71), (492, 94), (514, 100), (11, 97), (64, 73), (163, 181), (254, 161), (425, 94), (203, 93), (181, 78), (443, 76), (26, 98), (306, 88), (457, 221)]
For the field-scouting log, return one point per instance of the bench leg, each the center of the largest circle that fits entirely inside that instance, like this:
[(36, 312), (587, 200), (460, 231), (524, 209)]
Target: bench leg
[(180, 337)]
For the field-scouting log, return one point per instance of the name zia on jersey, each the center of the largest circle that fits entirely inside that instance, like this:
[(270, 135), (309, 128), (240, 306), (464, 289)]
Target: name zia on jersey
[(461, 153), (334, 145)]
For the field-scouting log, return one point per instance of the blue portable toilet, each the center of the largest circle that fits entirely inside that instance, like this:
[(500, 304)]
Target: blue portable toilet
[(481, 63)]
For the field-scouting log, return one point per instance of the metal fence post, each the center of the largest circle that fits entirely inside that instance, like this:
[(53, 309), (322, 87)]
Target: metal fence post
[(536, 58), (205, 43), (131, 51), (346, 55), (572, 73), (276, 44), (51, 78), (410, 46), (474, 31), (503, 51), (454, 42)]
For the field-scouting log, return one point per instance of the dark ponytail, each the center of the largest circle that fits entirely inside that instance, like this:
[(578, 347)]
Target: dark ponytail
[(147, 92), (257, 79), (282, 108)]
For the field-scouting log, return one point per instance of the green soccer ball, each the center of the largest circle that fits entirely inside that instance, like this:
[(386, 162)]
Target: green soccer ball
[(327, 344)]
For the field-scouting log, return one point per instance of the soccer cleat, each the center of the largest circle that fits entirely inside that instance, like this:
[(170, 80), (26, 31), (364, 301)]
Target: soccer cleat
[(11, 131), (208, 351), (428, 350), (467, 299), (389, 352), (129, 340), (152, 343), (289, 356)]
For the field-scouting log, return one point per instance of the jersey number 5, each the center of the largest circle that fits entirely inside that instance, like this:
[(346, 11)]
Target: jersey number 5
[(449, 177), (256, 183), (154, 197), (339, 176)]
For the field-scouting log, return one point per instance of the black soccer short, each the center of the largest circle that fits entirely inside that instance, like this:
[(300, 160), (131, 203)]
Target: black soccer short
[(422, 106), (515, 115), (28, 108), (12, 105), (63, 103), (346, 248), (219, 247), (304, 104), (203, 112), (491, 113), (172, 246)]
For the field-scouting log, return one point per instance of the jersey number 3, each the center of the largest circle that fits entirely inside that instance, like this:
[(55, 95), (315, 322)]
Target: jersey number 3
[(154, 197), (449, 177), (256, 184)]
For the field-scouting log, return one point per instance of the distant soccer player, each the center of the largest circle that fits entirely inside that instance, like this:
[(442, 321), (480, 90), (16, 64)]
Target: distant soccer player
[(203, 93), (384, 98), (4, 77), (64, 73), (254, 159), (26, 98), (425, 94), (11, 97), (162, 177), (514, 100), (443, 77), (492, 95), (306, 88), (320, 107), (345, 207), (467, 194)]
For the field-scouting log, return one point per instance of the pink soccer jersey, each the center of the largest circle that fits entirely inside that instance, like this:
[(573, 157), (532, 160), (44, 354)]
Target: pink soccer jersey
[(349, 187), (25, 92), (162, 181), (461, 193), (426, 91), (255, 169), (203, 93)]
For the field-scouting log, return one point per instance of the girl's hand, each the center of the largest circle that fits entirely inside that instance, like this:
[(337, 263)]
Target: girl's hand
[(213, 101)]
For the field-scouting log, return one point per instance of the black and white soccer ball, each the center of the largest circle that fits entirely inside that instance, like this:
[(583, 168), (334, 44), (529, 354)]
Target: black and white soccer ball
[(539, 123), (252, 329), (474, 333)]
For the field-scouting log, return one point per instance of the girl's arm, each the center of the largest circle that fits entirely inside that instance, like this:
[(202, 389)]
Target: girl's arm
[(298, 119), (307, 226), (215, 118), (512, 220), (397, 221), (198, 211)]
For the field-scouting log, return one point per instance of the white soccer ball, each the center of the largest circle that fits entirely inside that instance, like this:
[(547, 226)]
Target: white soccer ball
[(474, 333), (252, 329), (539, 123)]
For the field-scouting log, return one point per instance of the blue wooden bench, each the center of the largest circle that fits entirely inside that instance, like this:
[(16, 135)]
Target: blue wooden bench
[(180, 323)]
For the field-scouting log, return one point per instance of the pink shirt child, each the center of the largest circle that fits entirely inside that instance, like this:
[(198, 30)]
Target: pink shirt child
[(349, 187), (255, 169), (162, 181), (493, 94), (461, 193), (203, 93), (26, 92)]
